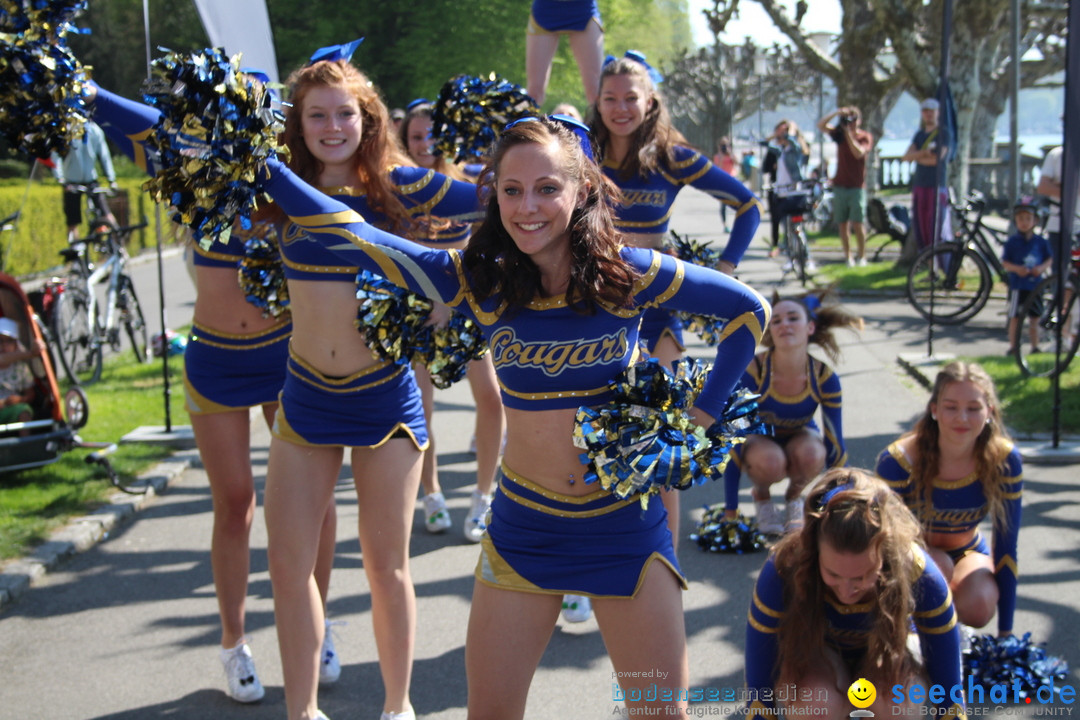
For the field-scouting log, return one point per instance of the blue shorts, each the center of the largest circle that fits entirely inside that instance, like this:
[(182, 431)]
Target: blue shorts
[(655, 324), (225, 372), (597, 545), (364, 409), (977, 545), (555, 16)]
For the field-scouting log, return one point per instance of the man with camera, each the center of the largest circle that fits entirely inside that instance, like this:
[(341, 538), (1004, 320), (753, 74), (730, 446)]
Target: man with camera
[(853, 146)]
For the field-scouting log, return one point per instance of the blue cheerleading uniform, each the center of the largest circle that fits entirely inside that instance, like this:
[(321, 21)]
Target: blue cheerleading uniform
[(788, 415), (555, 16), (645, 206), (958, 507), (547, 356), (847, 632)]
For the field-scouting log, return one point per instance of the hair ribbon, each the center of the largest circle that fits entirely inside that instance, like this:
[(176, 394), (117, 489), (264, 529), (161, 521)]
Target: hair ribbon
[(416, 102), (813, 304), (330, 53), (836, 490), (580, 129), (638, 57)]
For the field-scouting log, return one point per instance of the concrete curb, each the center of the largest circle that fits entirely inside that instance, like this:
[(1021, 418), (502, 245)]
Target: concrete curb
[(84, 532)]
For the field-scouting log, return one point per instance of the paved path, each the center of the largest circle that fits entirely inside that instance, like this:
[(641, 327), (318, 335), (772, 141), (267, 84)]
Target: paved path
[(128, 629)]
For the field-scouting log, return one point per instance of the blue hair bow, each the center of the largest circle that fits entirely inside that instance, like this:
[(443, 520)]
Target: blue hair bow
[(812, 303), (836, 490), (572, 124), (331, 53), (417, 101), (262, 77), (638, 57)]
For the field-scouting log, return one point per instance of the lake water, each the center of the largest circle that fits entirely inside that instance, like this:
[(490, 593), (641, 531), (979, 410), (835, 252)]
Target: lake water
[(1029, 144)]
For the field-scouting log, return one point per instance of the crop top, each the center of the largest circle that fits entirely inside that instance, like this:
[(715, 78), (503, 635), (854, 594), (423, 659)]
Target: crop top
[(645, 202), (847, 631), (959, 506), (546, 355)]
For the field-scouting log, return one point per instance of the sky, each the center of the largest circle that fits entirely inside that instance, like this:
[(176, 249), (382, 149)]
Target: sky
[(754, 21)]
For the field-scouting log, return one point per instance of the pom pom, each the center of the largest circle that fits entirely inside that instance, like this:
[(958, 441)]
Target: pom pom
[(217, 128), (395, 326), (706, 327), (471, 112), (990, 661), (262, 273), (644, 439), (43, 87), (719, 534)]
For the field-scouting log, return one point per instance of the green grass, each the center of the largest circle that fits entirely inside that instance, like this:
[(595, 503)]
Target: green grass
[(34, 502), (1027, 403)]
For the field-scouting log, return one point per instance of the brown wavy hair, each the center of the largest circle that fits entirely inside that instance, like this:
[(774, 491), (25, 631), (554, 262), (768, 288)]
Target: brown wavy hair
[(827, 316), (653, 146), (864, 515), (426, 111), (992, 446), (598, 274), (378, 151)]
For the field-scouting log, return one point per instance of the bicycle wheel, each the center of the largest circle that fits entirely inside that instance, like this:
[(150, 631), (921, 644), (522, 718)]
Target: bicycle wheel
[(131, 315), (957, 277), (802, 252), (75, 334), (1040, 311)]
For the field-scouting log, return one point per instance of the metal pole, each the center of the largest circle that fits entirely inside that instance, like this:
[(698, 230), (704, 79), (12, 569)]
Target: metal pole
[(1014, 97), (160, 264)]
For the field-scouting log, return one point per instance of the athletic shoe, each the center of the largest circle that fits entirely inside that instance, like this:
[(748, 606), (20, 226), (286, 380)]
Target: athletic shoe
[(576, 608), (436, 516), (407, 715), (476, 521), (329, 662), (861, 262), (793, 520), (788, 266), (811, 266), (851, 262), (242, 682), (768, 518)]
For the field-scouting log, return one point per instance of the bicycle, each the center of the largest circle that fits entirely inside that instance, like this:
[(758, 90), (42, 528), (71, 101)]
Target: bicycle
[(75, 313), (798, 206), (1041, 309), (959, 274)]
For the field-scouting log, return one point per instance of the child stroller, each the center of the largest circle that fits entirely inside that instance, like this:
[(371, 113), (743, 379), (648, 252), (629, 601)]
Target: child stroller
[(894, 223), (52, 430)]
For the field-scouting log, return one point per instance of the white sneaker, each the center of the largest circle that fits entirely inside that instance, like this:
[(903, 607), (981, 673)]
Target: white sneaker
[(793, 515), (851, 262), (476, 520), (242, 682), (407, 715), (436, 516), (788, 266), (576, 608), (861, 262), (768, 518), (811, 266), (472, 444), (329, 662)]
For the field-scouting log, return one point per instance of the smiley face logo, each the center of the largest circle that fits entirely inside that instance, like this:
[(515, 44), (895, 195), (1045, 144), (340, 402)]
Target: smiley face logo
[(862, 693)]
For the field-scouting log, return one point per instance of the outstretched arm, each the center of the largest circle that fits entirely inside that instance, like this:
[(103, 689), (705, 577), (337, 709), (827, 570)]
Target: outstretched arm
[(128, 124)]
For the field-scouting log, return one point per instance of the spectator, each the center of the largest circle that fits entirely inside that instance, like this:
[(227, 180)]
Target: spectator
[(16, 380), (1026, 256), (853, 146), (725, 160), (79, 168), (929, 147)]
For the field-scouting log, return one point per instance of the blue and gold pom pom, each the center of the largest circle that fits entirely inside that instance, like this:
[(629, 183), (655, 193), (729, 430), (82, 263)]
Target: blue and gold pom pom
[(1014, 661), (471, 112), (706, 327), (43, 87), (644, 440), (394, 323), (719, 534), (262, 272), (217, 128)]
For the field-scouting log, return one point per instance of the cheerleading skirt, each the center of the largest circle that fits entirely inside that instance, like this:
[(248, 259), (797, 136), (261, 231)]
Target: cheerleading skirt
[(224, 372), (596, 545), (555, 16), (977, 545), (656, 323), (364, 409)]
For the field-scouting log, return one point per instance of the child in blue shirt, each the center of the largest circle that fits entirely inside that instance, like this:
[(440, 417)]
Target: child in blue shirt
[(1026, 257)]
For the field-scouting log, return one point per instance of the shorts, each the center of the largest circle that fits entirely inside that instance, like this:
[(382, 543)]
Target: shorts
[(73, 205), (558, 16), (597, 545), (977, 545), (655, 324), (364, 409), (225, 372), (11, 413), (847, 204), (1017, 298)]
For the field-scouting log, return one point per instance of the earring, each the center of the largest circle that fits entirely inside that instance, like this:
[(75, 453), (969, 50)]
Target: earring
[(933, 416)]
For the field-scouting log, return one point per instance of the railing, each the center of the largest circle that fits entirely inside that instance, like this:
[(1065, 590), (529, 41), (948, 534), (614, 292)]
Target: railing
[(990, 173)]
